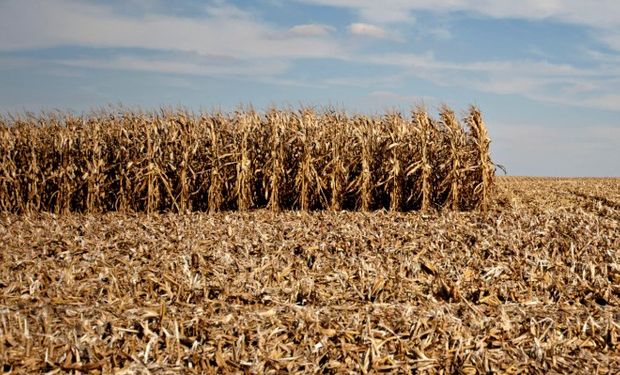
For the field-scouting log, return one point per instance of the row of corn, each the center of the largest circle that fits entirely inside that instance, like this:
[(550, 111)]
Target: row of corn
[(307, 159)]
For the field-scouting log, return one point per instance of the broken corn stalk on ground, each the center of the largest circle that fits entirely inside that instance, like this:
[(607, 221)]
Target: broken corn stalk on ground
[(530, 286)]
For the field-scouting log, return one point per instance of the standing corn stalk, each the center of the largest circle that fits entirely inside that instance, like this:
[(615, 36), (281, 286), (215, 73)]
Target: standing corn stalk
[(34, 184), (65, 178), (187, 148), (277, 121), (424, 129), (307, 180), (456, 137), (243, 185), (94, 176), (396, 127), (485, 165), (167, 136), (8, 186), (215, 194), (364, 135), (152, 188), (338, 127), (122, 160)]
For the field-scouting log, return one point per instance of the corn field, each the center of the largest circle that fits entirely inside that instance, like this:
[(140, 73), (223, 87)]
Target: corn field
[(306, 159)]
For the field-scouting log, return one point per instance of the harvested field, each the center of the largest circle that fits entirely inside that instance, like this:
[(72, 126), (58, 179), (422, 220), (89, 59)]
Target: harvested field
[(531, 286)]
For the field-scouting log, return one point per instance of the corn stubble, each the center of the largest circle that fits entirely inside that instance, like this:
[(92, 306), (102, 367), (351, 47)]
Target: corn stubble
[(532, 286), (282, 159)]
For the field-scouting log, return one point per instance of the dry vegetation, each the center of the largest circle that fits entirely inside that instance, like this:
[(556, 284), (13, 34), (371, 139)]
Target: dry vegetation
[(282, 159), (530, 286)]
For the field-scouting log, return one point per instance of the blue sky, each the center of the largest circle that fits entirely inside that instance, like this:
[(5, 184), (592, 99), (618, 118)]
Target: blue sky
[(546, 73)]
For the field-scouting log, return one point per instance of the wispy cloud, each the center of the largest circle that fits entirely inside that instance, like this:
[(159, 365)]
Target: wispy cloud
[(365, 29), (541, 80), (312, 29), (374, 11), (596, 13), (225, 40), (223, 30), (600, 16), (180, 65)]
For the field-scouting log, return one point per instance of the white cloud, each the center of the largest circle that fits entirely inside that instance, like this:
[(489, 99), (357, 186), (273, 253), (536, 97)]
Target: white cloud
[(606, 101), (610, 38), (365, 29), (601, 16), (374, 11), (386, 80), (229, 41), (537, 80), (181, 64), (594, 13), (312, 29), (224, 30)]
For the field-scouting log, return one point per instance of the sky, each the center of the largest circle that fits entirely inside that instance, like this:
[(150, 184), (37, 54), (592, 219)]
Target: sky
[(545, 73)]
